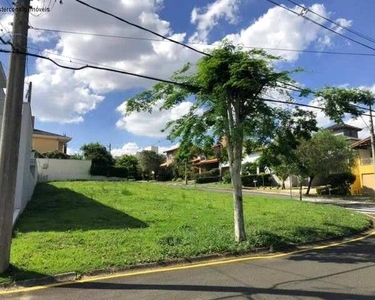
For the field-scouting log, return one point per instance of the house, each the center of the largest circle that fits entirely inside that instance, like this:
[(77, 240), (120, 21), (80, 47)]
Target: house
[(44, 142), (170, 156), (348, 131), (201, 163), (26, 168), (364, 168)]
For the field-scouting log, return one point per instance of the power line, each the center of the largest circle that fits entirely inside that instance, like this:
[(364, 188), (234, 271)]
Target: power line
[(149, 77), (140, 27), (300, 104), (321, 25), (370, 39), (97, 68), (206, 45)]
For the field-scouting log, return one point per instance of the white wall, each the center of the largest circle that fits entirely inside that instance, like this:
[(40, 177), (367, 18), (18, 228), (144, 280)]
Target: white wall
[(26, 171), (63, 169)]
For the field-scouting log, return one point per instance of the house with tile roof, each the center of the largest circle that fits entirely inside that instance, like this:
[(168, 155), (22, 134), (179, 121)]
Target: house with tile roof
[(44, 141)]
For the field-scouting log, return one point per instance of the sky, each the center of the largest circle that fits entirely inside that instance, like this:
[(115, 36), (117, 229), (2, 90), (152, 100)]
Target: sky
[(90, 105)]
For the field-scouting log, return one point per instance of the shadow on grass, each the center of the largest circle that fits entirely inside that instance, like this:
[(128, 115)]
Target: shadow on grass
[(62, 209)]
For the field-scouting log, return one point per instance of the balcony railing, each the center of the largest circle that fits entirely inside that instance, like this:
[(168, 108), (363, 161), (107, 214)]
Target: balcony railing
[(366, 161)]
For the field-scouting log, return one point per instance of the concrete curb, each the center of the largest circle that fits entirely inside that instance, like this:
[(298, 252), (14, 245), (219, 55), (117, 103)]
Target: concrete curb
[(72, 277)]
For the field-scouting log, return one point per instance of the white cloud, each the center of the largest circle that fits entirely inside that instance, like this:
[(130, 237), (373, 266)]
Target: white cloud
[(207, 18), (74, 93), (66, 96), (128, 148), (58, 97), (150, 125), (278, 28)]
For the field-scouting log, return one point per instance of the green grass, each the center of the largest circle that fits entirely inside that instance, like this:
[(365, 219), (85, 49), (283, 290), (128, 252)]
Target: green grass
[(83, 226)]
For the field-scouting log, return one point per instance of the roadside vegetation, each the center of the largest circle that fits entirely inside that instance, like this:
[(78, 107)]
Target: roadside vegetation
[(84, 226)]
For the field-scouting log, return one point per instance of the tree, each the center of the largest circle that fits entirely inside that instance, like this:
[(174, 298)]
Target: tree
[(226, 88), (187, 152), (130, 162), (294, 126), (325, 154), (149, 162), (98, 154)]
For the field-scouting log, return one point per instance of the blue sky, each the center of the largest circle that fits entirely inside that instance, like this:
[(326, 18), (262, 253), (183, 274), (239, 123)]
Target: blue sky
[(88, 105)]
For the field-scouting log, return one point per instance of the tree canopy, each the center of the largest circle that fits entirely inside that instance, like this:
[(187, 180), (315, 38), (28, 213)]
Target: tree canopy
[(149, 162), (226, 89), (98, 153)]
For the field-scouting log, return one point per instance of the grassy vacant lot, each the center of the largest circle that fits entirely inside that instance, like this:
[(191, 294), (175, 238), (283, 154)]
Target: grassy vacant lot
[(82, 226)]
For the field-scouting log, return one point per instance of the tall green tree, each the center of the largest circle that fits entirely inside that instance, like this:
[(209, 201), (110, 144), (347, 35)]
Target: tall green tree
[(149, 163), (98, 153), (130, 162), (294, 126), (226, 89), (325, 154)]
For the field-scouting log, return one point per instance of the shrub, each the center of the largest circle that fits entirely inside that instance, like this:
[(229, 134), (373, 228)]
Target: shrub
[(207, 179), (56, 155), (165, 174), (109, 171), (226, 177), (339, 184)]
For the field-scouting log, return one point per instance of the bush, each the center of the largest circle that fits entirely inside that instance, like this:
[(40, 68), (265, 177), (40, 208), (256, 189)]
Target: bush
[(226, 177), (165, 174), (109, 171), (207, 179), (248, 180), (338, 184), (56, 155)]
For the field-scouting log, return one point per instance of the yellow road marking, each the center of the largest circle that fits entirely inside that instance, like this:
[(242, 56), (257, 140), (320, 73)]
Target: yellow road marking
[(185, 267)]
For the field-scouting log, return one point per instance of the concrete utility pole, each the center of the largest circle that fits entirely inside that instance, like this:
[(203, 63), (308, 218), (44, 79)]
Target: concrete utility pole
[(11, 129), (372, 138)]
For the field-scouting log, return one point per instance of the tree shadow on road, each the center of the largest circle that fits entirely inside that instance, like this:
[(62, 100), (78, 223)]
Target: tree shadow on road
[(351, 253)]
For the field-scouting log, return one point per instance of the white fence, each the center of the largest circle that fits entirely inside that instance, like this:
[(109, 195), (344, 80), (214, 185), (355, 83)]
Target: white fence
[(63, 169)]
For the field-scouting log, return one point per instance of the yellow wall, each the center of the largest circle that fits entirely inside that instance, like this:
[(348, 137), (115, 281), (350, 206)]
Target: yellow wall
[(357, 185), (43, 145), (358, 171)]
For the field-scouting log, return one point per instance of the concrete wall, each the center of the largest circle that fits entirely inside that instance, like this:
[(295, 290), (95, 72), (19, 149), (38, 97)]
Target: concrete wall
[(26, 170), (63, 169)]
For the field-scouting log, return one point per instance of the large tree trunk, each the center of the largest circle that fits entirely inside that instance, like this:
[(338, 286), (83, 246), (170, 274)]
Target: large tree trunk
[(234, 148), (300, 188), (239, 223), (283, 184), (311, 178)]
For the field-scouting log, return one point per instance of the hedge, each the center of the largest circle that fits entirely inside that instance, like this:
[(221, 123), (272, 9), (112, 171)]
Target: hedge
[(109, 171), (207, 179)]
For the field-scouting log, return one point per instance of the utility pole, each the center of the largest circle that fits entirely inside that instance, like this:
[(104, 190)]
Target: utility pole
[(28, 94), (372, 138), (11, 127)]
